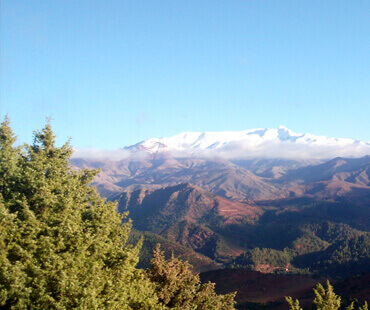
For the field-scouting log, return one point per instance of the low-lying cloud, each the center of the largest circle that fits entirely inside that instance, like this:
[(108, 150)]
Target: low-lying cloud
[(95, 154), (240, 150), (286, 150)]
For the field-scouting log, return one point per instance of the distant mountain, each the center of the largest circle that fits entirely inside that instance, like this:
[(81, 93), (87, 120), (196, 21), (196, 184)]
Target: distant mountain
[(337, 177), (242, 180), (218, 176), (273, 168), (352, 170), (253, 164), (266, 143)]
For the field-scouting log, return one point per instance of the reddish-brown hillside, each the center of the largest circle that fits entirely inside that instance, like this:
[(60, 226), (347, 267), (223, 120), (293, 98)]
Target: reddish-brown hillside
[(186, 202), (187, 214)]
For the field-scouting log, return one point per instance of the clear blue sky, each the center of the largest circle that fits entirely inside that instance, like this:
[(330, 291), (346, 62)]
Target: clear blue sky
[(112, 73)]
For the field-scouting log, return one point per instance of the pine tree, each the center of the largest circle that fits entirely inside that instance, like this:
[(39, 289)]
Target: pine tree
[(178, 288), (62, 246), (326, 299), (293, 304), (9, 157), (364, 307)]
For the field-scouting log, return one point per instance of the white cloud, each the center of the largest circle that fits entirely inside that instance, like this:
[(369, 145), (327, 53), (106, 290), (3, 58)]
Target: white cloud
[(240, 150), (92, 153), (253, 143)]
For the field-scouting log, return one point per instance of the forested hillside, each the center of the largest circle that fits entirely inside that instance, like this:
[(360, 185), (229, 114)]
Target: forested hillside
[(297, 235)]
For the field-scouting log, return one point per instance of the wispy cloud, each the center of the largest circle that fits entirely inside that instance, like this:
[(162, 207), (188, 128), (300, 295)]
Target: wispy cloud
[(96, 154), (286, 149)]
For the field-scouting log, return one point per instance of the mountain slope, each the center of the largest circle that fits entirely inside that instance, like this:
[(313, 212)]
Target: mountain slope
[(215, 175), (183, 201), (187, 214), (198, 261), (353, 170), (232, 179), (334, 178)]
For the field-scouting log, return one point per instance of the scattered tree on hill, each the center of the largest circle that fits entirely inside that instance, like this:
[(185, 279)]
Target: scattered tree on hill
[(351, 307), (364, 307), (325, 299), (62, 246), (178, 288), (293, 304)]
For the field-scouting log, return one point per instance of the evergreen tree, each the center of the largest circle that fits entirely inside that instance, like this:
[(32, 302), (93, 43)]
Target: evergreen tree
[(61, 245), (178, 288), (293, 304), (364, 307), (9, 157), (325, 299)]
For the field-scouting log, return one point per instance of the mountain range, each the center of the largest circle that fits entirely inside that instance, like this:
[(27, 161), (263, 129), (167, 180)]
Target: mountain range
[(250, 164), (264, 200), (280, 143), (241, 180), (273, 143)]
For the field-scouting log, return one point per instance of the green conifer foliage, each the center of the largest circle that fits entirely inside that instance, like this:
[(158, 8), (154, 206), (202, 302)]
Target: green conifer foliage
[(326, 299), (9, 157), (62, 246), (351, 307), (177, 288), (293, 304), (364, 307)]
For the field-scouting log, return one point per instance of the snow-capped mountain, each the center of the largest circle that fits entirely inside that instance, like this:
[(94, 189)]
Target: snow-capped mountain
[(280, 142)]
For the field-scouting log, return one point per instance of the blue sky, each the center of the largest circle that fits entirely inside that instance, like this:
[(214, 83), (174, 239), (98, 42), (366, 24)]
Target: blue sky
[(112, 73)]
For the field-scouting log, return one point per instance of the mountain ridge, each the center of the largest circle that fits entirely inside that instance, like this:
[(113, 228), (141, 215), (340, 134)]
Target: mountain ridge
[(253, 142), (238, 180)]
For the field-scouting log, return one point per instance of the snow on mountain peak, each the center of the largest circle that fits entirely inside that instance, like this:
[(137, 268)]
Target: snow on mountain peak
[(259, 142)]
